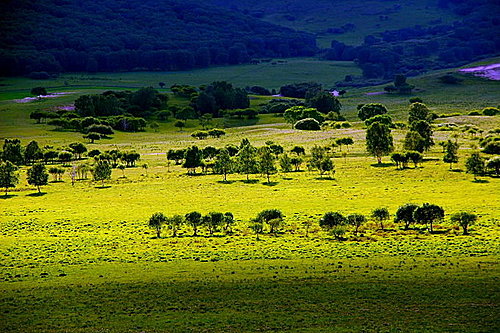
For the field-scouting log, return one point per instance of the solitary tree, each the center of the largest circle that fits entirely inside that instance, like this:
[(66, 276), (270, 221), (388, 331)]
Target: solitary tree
[(428, 214), (8, 175), (266, 161), (156, 222), (174, 223), (464, 220), (38, 176), (380, 215), (356, 220), (451, 152), (404, 214), (102, 171), (195, 221), (379, 140), (475, 165)]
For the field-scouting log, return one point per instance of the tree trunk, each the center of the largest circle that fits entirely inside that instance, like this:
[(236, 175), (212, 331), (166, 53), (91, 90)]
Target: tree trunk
[(38, 186), (268, 180), (382, 225), (431, 227), (194, 231), (158, 233), (379, 159)]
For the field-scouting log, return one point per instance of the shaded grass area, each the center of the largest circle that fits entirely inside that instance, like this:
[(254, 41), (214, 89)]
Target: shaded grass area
[(438, 295)]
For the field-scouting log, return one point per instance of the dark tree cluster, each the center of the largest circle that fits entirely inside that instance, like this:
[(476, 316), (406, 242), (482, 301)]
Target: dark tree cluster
[(73, 36), (219, 96)]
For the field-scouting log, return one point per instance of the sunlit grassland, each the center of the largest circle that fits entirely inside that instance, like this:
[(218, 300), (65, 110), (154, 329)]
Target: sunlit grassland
[(82, 259)]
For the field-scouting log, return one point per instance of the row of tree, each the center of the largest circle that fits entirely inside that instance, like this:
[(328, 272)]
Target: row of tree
[(335, 223)]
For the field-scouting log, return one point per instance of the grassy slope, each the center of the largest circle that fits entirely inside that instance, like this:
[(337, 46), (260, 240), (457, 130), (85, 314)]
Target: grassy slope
[(317, 16), (389, 281)]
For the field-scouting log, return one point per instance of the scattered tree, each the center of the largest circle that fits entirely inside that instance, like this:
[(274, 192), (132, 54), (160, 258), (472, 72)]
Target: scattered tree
[(193, 159), (475, 165), (451, 152), (464, 220), (428, 214), (494, 164), (379, 140), (380, 215), (195, 221), (371, 110), (223, 163), (285, 163), (102, 171), (356, 220), (38, 176), (8, 176), (273, 217), (265, 162), (156, 222), (404, 214)]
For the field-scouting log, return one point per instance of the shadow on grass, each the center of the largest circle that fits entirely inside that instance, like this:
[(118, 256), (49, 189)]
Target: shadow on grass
[(325, 178), (456, 170), (226, 181), (56, 181), (270, 183), (41, 194), (383, 165), (439, 232), (250, 181), (8, 196), (287, 178), (102, 187), (480, 181)]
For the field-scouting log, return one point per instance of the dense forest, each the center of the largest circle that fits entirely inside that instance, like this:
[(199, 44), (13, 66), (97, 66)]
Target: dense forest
[(113, 35), (116, 35)]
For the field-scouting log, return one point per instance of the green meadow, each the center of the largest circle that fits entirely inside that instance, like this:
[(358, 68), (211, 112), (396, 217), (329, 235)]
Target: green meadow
[(81, 258)]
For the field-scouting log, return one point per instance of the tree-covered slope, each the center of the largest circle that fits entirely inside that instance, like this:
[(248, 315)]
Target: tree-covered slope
[(110, 35)]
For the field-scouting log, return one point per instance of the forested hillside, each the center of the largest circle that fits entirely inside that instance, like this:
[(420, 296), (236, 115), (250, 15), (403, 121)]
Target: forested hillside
[(383, 37), (112, 35)]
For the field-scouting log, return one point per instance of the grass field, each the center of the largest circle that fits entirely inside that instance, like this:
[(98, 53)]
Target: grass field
[(82, 259)]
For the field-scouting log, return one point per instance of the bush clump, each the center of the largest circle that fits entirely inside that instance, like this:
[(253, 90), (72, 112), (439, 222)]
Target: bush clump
[(307, 124)]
